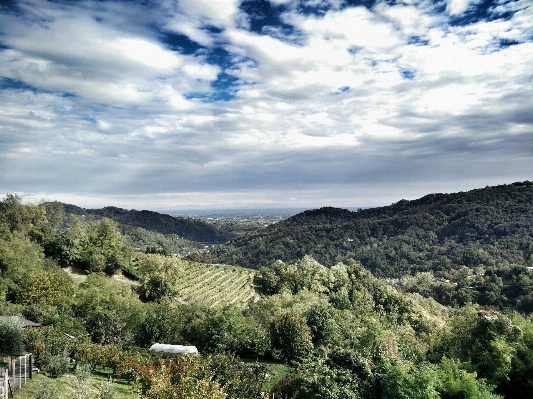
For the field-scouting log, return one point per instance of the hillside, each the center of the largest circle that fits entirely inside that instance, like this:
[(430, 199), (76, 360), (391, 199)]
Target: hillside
[(485, 228), (186, 228), (339, 331)]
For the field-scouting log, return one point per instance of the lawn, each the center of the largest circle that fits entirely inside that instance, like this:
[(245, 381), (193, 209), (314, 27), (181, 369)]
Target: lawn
[(66, 386)]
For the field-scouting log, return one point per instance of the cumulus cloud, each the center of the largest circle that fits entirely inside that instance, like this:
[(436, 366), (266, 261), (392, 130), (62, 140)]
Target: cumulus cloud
[(283, 103)]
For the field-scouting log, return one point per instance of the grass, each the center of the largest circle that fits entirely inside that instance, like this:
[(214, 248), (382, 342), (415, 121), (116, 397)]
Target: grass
[(276, 371), (66, 386)]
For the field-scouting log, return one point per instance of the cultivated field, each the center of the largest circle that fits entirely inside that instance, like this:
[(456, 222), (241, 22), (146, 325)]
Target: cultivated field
[(215, 285)]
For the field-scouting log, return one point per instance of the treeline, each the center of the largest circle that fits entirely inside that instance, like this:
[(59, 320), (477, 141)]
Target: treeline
[(480, 241), (187, 228)]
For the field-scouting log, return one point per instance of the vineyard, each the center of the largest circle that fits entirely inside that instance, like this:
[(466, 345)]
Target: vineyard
[(215, 285)]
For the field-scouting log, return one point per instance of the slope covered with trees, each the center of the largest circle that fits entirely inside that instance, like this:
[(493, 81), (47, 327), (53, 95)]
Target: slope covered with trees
[(188, 228), (437, 232), (481, 238)]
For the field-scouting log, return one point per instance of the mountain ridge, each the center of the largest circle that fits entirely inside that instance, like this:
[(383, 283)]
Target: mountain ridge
[(188, 228), (429, 233)]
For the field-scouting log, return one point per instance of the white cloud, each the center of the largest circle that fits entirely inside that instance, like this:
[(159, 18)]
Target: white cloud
[(392, 96), (220, 13), (457, 7)]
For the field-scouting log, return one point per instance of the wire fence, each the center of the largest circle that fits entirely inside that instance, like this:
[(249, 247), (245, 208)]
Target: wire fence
[(16, 374)]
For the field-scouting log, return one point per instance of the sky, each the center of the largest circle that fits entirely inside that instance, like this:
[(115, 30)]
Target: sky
[(208, 104)]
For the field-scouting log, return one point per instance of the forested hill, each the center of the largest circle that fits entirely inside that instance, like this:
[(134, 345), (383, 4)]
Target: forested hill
[(489, 227), (188, 228)]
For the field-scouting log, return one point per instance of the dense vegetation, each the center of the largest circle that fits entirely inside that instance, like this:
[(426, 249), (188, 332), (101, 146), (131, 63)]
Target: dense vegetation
[(476, 246), (341, 331)]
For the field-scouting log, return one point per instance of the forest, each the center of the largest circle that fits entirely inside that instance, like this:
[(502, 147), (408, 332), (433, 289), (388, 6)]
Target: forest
[(423, 299), (458, 248)]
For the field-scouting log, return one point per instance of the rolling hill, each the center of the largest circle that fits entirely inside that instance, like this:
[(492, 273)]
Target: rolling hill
[(187, 228), (488, 227)]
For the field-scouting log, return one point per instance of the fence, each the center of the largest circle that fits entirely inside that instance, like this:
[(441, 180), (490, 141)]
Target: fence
[(18, 372)]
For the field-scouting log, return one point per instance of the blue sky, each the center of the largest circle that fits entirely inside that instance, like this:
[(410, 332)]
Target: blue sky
[(210, 104)]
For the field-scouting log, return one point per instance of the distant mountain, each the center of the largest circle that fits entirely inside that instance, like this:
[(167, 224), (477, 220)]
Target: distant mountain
[(439, 232), (188, 228)]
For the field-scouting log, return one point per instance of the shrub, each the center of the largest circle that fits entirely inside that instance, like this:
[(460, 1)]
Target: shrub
[(57, 365), (46, 389), (106, 390), (82, 381), (10, 338), (45, 342)]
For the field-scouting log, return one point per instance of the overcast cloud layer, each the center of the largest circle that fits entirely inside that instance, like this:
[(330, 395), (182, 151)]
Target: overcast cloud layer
[(227, 103)]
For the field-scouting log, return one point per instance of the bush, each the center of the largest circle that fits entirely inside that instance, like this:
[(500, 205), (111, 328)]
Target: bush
[(57, 365), (10, 338), (106, 390), (46, 389)]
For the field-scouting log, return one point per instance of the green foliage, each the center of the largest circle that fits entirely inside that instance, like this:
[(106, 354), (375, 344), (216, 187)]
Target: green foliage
[(95, 355), (333, 374), (187, 376), (47, 389), (487, 339), (159, 275), (106, 390), (16, 217), (46, 342), (157, 326), (321, 322), (227, 329), (304, 274), (95, 246), (454, 382), (11, 342), (291, 337), (83, 376), (404, 381), (44, 288), (57, 365), (18, 254), (109, 309)]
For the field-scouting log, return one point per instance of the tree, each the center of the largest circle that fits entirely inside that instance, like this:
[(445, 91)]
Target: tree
[(329, 374), (10, 338), (109, 309), (95, 246), (159, 275), (404, 381), (157, 326), (291, 337), (454, 382), (227, 329), (16, 217), (320, 319)]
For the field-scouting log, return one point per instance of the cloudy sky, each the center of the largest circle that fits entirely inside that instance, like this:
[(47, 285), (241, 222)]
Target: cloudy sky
[(188, 104)]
